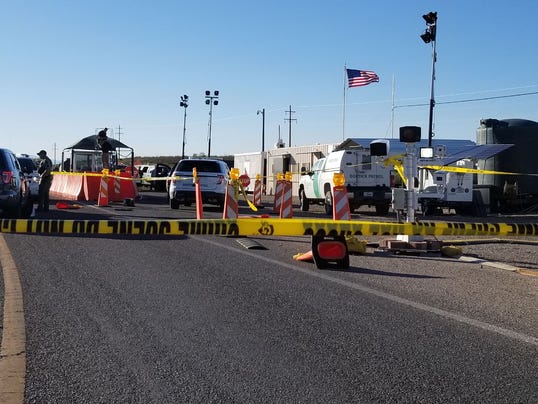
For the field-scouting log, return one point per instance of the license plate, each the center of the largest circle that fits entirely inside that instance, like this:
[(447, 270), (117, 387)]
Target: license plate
[(370, 194)]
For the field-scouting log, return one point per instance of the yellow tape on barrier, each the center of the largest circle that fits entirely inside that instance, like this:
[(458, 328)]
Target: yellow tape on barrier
[(263, 227), (147, 179)]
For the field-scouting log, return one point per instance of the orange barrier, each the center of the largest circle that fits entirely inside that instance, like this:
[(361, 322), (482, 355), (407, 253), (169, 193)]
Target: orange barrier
[(231, 207), (102, 200), (67, 187), (86, 188), (286, 204), (117, 184), (278, 196), (340, 203), (257, 194), (91, 188), (127, 187)]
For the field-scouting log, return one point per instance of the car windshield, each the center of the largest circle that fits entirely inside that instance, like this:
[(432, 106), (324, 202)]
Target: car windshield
[(201, 166)]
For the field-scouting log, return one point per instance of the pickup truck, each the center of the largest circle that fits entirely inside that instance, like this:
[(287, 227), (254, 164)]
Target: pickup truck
[(367, 178)]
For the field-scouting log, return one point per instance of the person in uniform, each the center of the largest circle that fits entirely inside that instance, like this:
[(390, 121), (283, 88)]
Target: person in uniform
[(44, 170), (105, 146)]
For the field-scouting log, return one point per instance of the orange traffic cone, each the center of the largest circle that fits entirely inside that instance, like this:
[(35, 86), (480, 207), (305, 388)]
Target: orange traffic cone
[(199, 203), (308, 256)]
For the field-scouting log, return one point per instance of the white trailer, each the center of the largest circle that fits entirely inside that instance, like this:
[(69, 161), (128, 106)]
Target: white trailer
[(252, 164), (451, 187)]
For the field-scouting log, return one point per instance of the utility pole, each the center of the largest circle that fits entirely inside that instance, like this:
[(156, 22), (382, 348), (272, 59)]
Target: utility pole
[(119, 133), (289, 119)]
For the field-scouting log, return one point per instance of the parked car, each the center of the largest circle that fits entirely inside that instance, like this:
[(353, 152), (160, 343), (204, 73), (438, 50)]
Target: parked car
[(14, 188), (213, 176), (29, 168), (144, 172)]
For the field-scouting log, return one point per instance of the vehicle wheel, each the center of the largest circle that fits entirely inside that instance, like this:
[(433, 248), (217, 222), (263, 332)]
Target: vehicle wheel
[(174, 203), (328, 203), (381, 209), (303, 200)]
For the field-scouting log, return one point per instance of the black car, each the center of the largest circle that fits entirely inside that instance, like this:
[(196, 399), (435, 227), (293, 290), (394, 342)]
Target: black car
[(14, 188)]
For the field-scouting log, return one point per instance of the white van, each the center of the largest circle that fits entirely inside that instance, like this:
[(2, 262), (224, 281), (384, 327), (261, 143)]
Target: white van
[(367, 178)]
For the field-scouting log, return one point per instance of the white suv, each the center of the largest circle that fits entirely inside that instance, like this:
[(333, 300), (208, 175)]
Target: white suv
[(213, 176)]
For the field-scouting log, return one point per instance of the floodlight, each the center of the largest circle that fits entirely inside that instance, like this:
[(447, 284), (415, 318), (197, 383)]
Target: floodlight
[(430, 18), (426, 152)]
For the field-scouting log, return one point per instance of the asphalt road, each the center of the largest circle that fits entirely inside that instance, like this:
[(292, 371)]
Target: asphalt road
[(202, 319)]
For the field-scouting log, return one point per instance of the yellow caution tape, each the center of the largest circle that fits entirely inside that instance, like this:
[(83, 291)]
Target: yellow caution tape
[(455, 169), (264, 227), (398, 166), (148, 179), (250, 204)]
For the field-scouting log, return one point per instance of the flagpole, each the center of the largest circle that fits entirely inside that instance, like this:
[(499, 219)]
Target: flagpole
[(392, 111), (344, 111)]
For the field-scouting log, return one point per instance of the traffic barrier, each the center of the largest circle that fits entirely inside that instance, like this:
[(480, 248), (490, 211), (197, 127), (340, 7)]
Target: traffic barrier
[(257, 194), (278, 196), (340, 203), (117, 185), (286, 204), (67, 187), (231, 207), (102, 200), (85, 186), (265, 227)]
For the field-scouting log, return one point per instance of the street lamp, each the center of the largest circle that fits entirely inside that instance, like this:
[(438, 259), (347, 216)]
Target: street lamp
[(429, 36), (184, 103), (262, 111), (211, 100)]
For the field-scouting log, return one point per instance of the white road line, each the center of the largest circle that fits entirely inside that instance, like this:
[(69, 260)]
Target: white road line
[(529, 339)]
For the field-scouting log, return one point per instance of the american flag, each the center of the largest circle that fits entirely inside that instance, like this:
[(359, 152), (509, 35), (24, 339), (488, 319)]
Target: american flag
[(357, 78)]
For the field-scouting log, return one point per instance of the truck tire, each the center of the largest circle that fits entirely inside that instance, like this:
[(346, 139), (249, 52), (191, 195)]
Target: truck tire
[(328, 203), (303, 201)]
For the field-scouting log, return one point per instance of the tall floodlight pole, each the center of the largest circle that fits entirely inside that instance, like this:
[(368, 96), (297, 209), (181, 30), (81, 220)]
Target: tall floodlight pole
[(429, 36), (211, 100), (184, 103), (262, 111)]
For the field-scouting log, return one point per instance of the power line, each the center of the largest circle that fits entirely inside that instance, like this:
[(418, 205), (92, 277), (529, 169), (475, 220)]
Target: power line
[(469, 100)]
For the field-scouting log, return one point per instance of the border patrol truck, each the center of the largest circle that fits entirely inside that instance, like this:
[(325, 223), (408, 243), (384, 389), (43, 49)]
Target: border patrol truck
[(367, 178)]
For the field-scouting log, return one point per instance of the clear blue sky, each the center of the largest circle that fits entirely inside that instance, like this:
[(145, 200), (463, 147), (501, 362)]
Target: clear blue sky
[(69, 67)]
